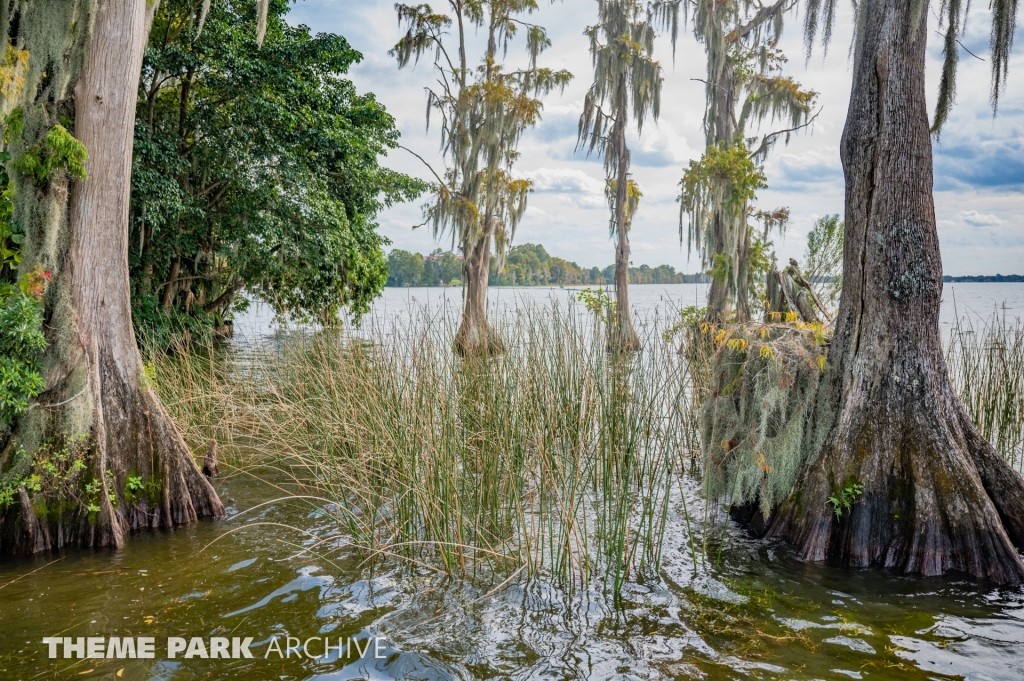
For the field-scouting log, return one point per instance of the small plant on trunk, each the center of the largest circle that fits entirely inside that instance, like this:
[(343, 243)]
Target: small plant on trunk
[(843, 499)]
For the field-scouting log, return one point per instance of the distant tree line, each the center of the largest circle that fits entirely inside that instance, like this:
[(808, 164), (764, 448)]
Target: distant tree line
[(412, 269), (525, 265), (1002, 278)]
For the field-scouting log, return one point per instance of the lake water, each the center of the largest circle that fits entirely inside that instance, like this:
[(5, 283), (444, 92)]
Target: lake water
[(651, 303), (759, 614)]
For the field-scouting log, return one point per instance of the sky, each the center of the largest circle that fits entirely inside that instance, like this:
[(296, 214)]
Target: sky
[(979, 159)]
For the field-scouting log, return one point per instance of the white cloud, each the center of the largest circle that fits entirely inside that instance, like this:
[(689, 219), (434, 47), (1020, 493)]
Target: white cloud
[(973, 217), (564, 180), (572, 186), (660, 146), (811, 167)]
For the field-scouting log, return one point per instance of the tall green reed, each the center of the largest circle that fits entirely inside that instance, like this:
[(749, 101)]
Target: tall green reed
[(986, 364), (556, 458)]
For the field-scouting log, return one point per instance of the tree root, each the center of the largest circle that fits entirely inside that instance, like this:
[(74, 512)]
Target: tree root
[(928, 507)]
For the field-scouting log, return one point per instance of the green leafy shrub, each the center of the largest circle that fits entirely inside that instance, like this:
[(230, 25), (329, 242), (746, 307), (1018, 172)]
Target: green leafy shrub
[(255, 169), (597, 303), (58, 150), (11, 236), (21, 344)]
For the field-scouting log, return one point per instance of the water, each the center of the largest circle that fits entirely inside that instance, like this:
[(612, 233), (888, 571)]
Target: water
[(976, 302), (759, 614)]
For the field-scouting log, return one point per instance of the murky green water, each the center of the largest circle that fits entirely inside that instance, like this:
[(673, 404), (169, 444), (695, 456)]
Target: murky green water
[(759, 615)]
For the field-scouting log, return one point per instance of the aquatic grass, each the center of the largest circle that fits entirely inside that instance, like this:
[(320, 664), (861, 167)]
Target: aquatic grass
[(986, 365), (555, 458)]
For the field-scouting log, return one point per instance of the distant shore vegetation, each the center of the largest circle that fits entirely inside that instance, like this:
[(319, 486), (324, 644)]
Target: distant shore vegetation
[(995, 278), (531, 265), (525, 265)]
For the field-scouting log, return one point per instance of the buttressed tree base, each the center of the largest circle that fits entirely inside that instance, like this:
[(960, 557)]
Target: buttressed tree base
[(97, 423), (935, 495)]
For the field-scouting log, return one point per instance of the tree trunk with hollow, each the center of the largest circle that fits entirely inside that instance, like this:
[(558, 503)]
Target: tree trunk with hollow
[(936, 496), (95, 384), (475, 338)]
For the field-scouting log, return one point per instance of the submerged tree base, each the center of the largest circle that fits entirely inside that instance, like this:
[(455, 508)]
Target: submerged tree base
[(623, 339), (477, 342), (916, 491), (910, 490), (133, 473)]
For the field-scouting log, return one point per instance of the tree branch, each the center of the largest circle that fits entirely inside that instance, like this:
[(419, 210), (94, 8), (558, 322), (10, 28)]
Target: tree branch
[(424, 162)]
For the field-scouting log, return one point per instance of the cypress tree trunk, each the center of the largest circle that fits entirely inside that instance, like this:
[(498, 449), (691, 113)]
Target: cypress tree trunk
[(95, 375), (623, 337), (719, 300), (936, 496), (474, 337), (743, 277)]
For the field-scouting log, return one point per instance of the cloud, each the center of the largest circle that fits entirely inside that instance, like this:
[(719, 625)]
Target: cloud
[(973, 160), (573, 186), (660, 146), (996, 230), (811, 167), (558, 124), (973, 217), (564, 180)]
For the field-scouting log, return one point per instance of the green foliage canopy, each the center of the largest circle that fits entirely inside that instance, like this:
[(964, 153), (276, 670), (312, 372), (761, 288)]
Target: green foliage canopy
[(256, 167)]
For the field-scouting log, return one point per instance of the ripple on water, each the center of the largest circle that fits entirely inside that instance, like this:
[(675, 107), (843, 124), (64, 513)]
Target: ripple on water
[(759, 615)]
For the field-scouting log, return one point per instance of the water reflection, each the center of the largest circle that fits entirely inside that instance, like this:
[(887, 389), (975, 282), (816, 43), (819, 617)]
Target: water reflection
[(760, 614)]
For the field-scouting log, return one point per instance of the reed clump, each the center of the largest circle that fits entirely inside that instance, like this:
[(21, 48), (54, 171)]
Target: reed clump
[(555, 458), (986, 365)]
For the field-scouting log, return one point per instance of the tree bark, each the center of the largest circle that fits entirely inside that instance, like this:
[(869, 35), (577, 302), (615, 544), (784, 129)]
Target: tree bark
[(719, 299), (743, 277), (171, 287), (622, 336), (146, 281), (475, 338), (129, 430), (936, 496)]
